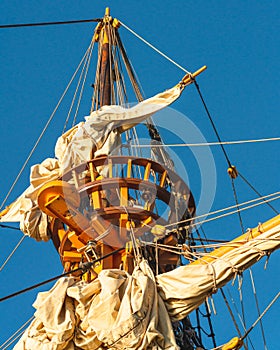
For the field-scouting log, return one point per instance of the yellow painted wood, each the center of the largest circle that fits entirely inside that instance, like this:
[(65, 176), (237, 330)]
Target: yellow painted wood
[(239, 241), (92, 172), (107, 11), (71, 256), (74, 239), (129, 168), (163, 178), (234, 344), (188, 78), (123, 196), (96, 200), (147, 171), (147, 221)]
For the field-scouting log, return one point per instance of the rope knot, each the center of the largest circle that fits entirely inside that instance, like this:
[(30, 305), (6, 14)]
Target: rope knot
[(187, 254), (260, 228)]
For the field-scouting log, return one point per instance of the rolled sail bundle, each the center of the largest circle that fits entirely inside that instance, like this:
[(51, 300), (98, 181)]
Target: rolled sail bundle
[(118, 310), (100, 134)]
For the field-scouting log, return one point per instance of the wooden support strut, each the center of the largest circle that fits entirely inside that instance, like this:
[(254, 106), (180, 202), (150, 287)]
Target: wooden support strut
[(189, 78)]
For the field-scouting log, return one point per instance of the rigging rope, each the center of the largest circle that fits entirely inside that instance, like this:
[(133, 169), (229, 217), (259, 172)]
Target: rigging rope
[(16, 335), (232, 212), (42, 133), (77, 88), (230, 312), (225, 153), (261, 316), (212, 123), (239, 316), (237, 205), (240, 285), (83, 268), (276, 194), (257, 306), (257, 192), (10, 227), (87, 64), (202, 144), (18, 25), (12, 253), (154, 48)]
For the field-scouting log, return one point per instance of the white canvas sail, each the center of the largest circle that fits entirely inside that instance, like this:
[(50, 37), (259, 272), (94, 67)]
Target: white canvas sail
[(121, 311), (99, 134)]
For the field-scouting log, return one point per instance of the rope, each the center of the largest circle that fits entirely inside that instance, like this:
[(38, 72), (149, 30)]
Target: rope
[(85, 58), (257, 306), (222, 146), (232, 212), (261, 316), (87, 64), (257, 192), (237, 205), (204, 144), (15, 336), (240, 285), (42, 133), (5, 26), (10, 227), (212, 122), (230, 312), (154, 48), (228, 208), (13, 340), (85, 267), (12, 253)]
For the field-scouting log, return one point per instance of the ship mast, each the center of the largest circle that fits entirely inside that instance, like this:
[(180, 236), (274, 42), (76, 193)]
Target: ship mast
[(115, 200), (105, 79)]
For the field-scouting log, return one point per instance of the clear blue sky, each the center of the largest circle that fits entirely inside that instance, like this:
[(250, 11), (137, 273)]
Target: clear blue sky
[(237, 40)]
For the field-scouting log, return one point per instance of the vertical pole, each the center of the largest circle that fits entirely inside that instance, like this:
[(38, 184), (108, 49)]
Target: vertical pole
[(105, 79)]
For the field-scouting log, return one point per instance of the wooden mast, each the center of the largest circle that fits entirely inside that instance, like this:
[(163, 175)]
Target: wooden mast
[(105, 78), (103, 213)]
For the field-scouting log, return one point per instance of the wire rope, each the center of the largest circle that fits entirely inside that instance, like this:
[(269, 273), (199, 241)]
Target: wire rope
[(76, 90), (232, 212), (257, 192), (13, 252), (241, 300), (261, 316), (207, 144), (87, 64), (258, 307), (10, 227), (154, 48), (83, 268), (18, 25), (42, 133), (16, 335), (276, 194)]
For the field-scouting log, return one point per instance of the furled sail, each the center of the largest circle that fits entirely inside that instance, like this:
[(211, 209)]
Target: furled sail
[(101, 132), (119, 311), (98, 135), (33, 222)]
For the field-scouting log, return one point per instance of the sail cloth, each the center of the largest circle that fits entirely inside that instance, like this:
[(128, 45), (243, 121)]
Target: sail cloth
[(115, 311), (100, 134), (185, 288), (122, 311), (33, 222)]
